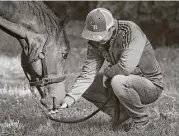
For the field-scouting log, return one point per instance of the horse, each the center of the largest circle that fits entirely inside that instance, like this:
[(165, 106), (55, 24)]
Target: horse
[(45, 46)]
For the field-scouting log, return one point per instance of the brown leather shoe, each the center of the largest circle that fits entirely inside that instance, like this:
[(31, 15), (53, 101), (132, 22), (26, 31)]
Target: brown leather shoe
[(136, 123)]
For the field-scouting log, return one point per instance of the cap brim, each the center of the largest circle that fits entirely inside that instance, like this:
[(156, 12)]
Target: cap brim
[(94, 36)]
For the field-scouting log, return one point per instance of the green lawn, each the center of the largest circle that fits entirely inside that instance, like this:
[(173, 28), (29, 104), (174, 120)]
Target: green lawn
[(20, 116)]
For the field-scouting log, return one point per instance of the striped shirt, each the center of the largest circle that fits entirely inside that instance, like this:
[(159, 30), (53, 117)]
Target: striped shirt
[(129, 52)]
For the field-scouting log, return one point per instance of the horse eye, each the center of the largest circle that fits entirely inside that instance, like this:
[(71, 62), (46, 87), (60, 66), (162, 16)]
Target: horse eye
[(64, 55)]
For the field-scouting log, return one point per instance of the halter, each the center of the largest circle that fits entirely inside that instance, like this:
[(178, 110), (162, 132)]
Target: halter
[(45, 80)]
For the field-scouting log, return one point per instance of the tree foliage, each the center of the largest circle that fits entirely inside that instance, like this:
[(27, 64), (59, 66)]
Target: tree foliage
[(158, 19)]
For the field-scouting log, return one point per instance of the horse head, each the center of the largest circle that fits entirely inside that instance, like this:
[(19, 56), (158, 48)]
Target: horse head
[(44, 47), (43, 62)]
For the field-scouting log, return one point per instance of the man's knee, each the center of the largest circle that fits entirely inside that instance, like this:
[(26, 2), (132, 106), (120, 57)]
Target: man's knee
[(118, 83), (119, 80)]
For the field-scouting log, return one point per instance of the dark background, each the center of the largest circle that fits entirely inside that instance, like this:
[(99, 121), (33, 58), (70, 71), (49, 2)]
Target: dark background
[(158, 19)]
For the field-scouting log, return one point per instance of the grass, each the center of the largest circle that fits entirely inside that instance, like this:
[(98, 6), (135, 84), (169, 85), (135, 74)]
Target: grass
[(20, 116)]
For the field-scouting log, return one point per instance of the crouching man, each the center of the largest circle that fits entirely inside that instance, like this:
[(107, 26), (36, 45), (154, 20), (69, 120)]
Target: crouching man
[(134, 74)]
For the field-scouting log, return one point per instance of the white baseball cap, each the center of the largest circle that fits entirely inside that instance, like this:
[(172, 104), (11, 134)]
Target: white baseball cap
[(98, 21)]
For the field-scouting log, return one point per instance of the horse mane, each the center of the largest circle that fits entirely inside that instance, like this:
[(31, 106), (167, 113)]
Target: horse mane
[(35, 16), (45, 15), (48, 18)]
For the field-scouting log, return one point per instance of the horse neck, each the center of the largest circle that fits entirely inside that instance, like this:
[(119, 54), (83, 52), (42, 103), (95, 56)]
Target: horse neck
[(34, 16)]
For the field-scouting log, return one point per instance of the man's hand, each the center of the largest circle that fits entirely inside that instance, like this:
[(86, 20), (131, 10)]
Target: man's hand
[(64, 105), (108, 72)]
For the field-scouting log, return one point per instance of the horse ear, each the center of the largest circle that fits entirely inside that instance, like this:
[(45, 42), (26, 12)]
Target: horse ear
[(65, 20)]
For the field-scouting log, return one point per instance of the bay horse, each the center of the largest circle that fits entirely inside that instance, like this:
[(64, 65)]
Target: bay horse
[(44, 43), (45, 48)]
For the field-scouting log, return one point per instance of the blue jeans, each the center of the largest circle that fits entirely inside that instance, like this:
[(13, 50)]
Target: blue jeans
[(134, 92)]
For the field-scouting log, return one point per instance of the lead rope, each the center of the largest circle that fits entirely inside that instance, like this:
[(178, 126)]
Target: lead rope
[(85, 118), (34, 97)]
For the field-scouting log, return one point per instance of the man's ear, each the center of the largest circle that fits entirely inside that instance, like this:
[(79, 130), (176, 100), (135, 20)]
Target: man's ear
[(112, 28)]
